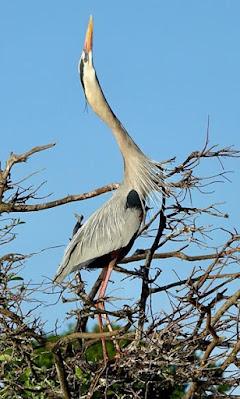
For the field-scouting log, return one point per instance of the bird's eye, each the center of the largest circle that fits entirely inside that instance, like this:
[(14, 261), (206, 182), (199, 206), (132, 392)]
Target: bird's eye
[(85, 57)]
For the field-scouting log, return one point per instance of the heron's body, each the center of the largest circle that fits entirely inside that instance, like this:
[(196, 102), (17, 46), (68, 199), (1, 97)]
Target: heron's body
[(104, 233)]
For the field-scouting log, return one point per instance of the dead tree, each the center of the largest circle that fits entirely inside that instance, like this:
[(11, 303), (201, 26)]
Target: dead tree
[(187, 347)]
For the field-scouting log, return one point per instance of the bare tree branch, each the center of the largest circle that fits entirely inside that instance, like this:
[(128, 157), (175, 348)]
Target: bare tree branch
[(12, 207), (178, 336)]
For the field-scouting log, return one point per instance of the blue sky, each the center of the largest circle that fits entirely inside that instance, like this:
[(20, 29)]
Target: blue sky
[(164, 67)]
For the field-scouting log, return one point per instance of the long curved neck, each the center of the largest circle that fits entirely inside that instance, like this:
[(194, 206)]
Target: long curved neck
[(130, 151), (140, 173)]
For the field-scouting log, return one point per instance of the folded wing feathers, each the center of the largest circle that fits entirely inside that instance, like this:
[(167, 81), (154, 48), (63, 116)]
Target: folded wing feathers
[(110, 228)]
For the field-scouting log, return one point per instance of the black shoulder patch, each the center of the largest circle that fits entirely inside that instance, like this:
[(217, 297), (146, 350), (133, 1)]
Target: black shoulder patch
[(133, 200)]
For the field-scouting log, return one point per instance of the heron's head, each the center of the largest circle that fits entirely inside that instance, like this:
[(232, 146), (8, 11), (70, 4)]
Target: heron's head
[(85, 66)]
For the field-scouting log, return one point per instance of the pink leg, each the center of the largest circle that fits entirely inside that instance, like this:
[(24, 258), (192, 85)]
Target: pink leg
[(101, 295), (100, 323), (106, 278), (117, 347)]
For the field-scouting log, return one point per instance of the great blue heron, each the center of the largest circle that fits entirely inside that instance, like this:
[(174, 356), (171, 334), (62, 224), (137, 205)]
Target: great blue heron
[(109, 233)]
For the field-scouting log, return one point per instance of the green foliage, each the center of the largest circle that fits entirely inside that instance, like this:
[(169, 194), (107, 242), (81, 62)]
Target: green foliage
[(14, 277)]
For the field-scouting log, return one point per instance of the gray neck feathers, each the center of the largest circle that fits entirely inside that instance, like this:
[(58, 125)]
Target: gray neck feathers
[(140, 173)]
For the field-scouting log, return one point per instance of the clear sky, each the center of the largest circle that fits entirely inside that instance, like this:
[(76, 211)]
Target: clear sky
[(164, 67)]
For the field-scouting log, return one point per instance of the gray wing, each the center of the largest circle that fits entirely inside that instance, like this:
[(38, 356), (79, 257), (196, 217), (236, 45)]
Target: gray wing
[(110, 228)]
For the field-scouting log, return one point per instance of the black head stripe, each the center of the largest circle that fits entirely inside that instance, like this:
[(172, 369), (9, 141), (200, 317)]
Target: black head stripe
[(81, 72)]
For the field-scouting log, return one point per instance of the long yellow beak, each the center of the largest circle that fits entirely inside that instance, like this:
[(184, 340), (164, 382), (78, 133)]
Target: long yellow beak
[(88, 44)]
